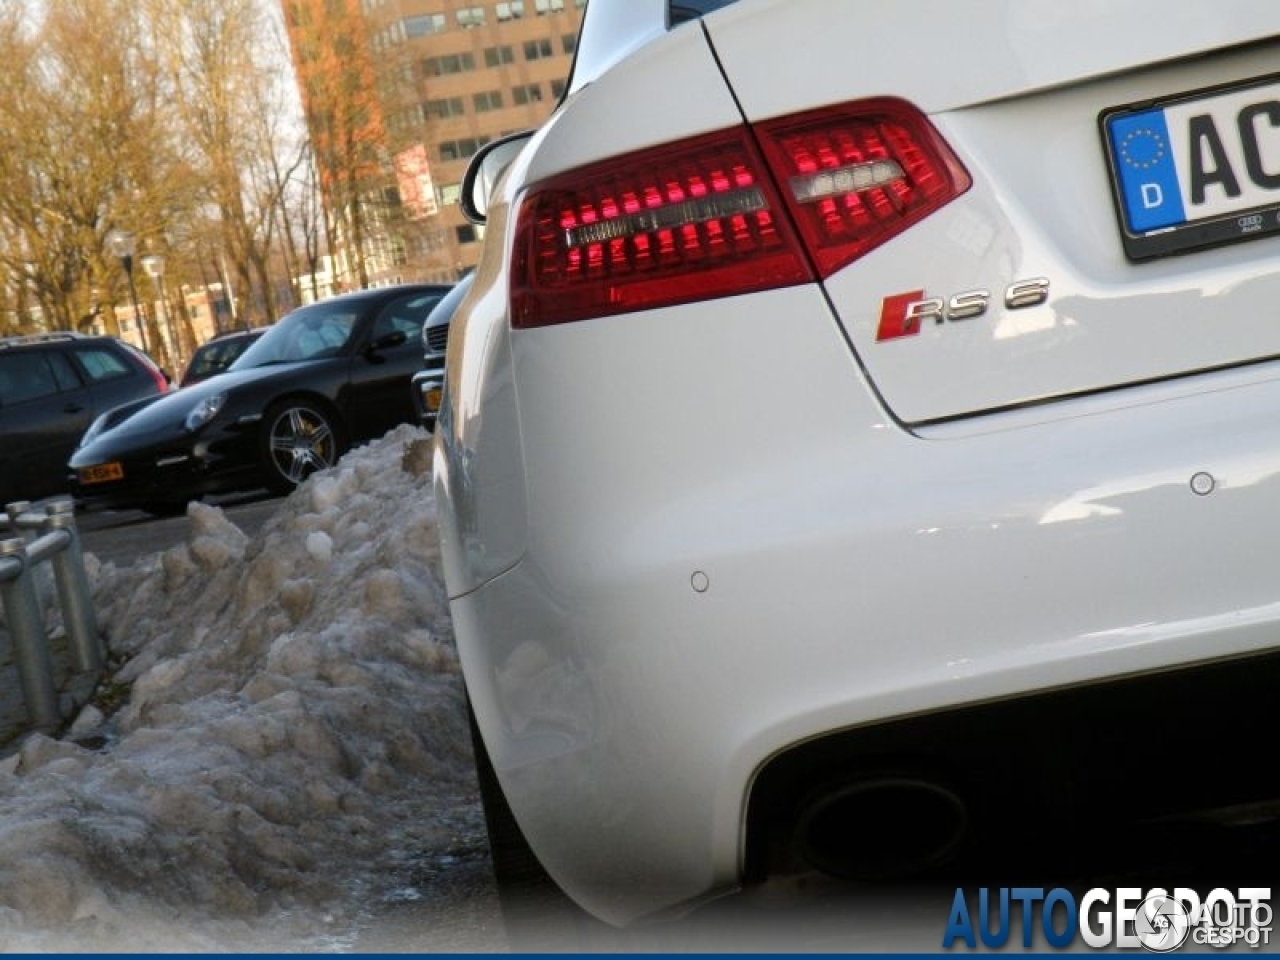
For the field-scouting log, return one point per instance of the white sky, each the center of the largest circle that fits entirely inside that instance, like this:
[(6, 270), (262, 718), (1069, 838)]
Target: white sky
[(293, 753)]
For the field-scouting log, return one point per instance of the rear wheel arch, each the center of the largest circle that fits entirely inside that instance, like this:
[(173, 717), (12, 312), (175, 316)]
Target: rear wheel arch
[(537, 914)]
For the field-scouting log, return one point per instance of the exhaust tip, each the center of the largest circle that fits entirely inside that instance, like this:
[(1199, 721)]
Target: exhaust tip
[(881, 828)]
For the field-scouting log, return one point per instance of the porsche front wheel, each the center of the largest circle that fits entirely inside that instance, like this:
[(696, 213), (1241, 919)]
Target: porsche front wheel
[(298, 438)]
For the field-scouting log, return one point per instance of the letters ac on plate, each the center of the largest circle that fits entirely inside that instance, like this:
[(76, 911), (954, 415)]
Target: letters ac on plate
[(1208, 160), (903, 314), (1208, 163)]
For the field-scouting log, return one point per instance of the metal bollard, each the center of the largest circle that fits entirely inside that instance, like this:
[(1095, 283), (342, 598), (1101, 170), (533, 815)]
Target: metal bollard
[(26, 523), (78, 613), (15, 510), (26, 627)]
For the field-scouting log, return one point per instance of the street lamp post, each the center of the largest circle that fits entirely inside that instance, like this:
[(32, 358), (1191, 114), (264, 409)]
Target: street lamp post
[(153, 264), (120, 242)]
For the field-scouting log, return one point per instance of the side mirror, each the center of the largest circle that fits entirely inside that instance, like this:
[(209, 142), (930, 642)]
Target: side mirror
[(483, 172)]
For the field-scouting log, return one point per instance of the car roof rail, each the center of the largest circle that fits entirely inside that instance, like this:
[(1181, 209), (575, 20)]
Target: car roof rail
[(26, 339)]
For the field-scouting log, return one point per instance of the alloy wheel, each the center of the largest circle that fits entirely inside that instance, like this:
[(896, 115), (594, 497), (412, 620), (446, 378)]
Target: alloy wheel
[(300, 442)]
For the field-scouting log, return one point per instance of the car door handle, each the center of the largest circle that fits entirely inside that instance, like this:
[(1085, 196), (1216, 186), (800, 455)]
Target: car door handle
[(73, 408)]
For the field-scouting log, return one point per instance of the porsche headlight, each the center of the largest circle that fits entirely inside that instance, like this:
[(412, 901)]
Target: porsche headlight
[(204, 411)]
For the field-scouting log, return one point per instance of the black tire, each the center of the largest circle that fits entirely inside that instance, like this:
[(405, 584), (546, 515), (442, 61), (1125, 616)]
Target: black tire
[(298, 438), (537, 914)]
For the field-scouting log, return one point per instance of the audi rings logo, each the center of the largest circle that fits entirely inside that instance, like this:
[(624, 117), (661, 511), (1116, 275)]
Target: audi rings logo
[(1162, 924)]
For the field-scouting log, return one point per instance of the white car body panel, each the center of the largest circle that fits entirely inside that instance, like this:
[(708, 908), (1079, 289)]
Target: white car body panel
[(479, 468), (1013, 47), (682, 540), (628, 27)]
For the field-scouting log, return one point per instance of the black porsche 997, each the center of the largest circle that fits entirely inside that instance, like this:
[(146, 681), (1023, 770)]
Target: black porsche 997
[(325, 377)]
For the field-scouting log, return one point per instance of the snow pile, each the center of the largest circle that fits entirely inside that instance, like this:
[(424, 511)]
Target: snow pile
[(284, 739)]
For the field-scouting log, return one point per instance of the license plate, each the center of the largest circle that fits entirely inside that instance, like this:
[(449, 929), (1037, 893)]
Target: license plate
[(1196, 170), (101, 473)]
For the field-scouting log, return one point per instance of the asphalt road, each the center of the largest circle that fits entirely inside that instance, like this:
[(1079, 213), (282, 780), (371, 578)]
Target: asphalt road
[(121, 536)]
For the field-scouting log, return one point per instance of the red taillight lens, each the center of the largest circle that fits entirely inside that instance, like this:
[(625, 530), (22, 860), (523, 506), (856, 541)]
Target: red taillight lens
[(149, 365), (162, 382), (689, 221), (857, 175), (706, 217)]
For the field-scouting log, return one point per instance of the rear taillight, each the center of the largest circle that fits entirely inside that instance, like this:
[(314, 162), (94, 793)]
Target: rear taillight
[(689, 221), (153, 370), (162, 382), (858, 175), (709, 217)]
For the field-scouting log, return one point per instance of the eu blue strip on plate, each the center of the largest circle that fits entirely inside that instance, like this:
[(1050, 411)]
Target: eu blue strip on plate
[(1147, 171)]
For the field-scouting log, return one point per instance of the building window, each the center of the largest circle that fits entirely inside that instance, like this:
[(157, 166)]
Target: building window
[(569, 42), (450, 63), (471, 17), (557, 89), (466, 233), (486, 101), (529, 93), (422, 26), (543, 7), (496, 56), (445, 107), (509, 11), (460, 149), (537, 49)]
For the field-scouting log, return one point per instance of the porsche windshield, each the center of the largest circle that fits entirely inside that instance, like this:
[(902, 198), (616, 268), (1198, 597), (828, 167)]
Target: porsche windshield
[(313, 333)]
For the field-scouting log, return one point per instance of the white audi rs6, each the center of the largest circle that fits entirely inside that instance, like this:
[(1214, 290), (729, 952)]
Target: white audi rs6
[(860, 450)]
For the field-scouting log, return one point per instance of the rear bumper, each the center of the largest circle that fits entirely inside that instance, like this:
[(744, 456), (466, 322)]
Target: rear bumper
[(1149, 771), (672, 758), (707, 591)]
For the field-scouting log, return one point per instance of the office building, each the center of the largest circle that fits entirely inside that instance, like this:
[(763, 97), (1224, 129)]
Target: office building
[(398, 95)]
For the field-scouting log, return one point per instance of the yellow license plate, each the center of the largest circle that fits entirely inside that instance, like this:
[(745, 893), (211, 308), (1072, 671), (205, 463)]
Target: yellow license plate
[(431, 397), (101, 473)]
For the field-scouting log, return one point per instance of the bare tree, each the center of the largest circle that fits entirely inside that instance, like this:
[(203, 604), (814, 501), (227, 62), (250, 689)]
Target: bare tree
[(331, 57), (176, 120), (54, 196), (89, 147), (211, 60)]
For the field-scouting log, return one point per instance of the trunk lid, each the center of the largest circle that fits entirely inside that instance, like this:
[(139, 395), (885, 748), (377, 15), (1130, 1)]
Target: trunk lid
[(1053, 297)]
